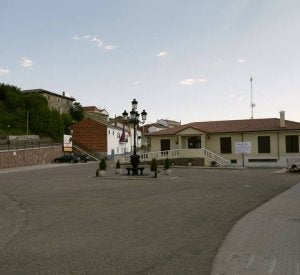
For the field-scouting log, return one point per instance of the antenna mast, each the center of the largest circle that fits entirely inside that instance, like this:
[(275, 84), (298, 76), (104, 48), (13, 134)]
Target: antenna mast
[(252, 105)]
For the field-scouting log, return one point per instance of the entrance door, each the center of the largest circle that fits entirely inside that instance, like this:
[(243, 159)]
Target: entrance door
[(164, 144), (194, 143)]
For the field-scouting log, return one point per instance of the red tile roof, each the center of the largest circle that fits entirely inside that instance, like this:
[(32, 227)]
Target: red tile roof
[(233, 126), (92, 109)]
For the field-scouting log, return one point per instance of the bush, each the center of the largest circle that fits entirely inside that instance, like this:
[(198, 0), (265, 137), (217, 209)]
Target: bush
[(153, 165), (167, 164), (213, 163), (118, 165), (102, 165)]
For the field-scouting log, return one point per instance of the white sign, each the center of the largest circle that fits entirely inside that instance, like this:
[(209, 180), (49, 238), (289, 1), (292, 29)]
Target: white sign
[(67, 143), (243, 147)]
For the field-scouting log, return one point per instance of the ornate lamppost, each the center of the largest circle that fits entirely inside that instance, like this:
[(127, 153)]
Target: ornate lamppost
[(134, 119)]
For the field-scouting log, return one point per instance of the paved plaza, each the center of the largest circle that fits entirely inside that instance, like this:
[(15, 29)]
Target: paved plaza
[(61, 219)]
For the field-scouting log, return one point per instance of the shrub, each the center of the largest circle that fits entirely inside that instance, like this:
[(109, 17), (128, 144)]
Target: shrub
[(118, 165), (213, 163), (153, 165), (167, 164), (102, 165)]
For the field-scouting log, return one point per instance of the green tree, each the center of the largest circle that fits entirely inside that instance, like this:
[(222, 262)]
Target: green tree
[(76, 111), (67, 121), (39, 113), (12, 110)]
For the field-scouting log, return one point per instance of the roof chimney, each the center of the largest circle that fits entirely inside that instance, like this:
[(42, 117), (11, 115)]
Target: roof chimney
[(282, 119), (64, 93)]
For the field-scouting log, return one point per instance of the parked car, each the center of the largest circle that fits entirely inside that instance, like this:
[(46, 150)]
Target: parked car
[(67, 158), (82, 157)]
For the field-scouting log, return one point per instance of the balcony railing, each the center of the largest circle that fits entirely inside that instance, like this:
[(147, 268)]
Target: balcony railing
[(182, 153)]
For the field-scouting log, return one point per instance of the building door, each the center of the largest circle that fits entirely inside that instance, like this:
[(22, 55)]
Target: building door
[(194, 143), (164, 144)]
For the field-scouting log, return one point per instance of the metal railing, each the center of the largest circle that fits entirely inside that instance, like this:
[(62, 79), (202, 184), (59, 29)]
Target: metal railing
[(181, 153), (26, 144)]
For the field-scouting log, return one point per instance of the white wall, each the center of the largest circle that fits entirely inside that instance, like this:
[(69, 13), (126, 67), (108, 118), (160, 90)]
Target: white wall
[(113, 141)]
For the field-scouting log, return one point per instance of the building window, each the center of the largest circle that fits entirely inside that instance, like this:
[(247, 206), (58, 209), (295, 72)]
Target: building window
[(292, 144), (165, 144), (264, 144), (109, 132), (58, 100), (225, 144)]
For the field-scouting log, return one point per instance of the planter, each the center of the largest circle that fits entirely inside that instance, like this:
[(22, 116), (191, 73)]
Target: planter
[(101, 173), (119, 171), (167, 171), (154, 174)]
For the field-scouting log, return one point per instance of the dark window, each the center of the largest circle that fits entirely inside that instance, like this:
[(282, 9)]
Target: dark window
[(262, 160), (164, 144), (263, 144), (292, 144), (194, 142), (233, 161), (225, 143)]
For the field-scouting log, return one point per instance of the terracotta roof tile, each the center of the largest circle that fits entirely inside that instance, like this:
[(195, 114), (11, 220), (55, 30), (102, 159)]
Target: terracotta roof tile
[(233, 126)]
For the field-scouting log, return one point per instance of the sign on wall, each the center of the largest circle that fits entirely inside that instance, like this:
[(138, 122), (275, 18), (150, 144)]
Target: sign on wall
[(243, 147), (67, 143)]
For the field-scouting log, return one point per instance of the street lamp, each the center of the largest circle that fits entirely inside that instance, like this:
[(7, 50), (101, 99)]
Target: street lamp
[(134, 119)]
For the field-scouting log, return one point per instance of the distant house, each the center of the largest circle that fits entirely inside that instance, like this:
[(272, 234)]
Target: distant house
[(95, 113), (168, 123), (250, 142), (161, 124), (60, 102)]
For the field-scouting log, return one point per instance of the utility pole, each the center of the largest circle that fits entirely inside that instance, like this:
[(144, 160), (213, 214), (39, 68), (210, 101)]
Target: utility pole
[(252, 105)]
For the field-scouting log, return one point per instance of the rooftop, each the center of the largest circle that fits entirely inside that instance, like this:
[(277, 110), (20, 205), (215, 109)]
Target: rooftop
[(233, 126)]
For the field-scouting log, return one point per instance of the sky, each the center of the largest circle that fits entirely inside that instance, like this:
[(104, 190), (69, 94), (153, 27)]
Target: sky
[(184, 60)]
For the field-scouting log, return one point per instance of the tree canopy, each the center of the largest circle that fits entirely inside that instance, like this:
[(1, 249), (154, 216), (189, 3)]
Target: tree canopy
[(15, 107)]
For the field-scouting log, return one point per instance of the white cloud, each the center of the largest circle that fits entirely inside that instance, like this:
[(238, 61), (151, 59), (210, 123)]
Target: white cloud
[(192, 81), (163, 54), (26, 62), (95, 40), (109, 47), (241, 60), (4, 71), (98, 41), (76, 37)]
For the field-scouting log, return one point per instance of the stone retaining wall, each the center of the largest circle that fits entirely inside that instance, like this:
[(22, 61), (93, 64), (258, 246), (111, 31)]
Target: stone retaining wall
[(29, 156)]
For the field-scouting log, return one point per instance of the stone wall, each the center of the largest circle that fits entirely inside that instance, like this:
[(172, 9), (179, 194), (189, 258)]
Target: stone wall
[(28, 157)]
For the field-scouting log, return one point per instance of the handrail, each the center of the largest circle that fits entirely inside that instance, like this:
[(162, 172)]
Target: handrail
[(176, 153)]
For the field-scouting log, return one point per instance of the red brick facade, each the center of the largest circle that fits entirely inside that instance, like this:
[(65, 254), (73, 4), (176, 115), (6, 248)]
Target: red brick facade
[(90, 135)]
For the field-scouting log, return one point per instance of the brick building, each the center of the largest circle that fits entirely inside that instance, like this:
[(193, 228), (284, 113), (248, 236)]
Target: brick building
[(90, 135)]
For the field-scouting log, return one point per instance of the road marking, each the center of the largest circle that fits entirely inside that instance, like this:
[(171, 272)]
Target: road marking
[(272, 267), (250, 261)]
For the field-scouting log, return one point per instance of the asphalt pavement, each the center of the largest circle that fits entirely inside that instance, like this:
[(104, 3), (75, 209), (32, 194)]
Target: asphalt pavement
[(265, 241), (61, 219)]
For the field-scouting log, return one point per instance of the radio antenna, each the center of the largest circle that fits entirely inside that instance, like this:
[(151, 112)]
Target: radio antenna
[(252, 105)]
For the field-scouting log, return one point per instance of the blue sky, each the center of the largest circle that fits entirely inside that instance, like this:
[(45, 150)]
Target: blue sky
[(188, 60)]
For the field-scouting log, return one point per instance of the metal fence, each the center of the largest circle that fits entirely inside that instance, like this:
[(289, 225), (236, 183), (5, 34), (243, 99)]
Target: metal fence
[(24, 144)]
